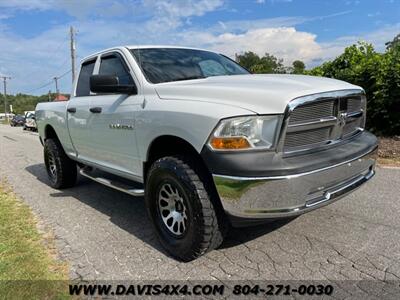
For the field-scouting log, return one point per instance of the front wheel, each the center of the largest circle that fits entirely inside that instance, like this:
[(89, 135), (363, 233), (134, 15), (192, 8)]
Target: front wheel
[(61, 170), (187, 221)]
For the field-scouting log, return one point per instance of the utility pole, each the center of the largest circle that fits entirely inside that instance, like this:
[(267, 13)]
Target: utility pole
[(56, 81), (73, 55), (49, 95), (5, 78)]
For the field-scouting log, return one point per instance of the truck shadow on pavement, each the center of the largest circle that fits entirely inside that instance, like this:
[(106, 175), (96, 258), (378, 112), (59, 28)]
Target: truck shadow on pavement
[(129, 213)]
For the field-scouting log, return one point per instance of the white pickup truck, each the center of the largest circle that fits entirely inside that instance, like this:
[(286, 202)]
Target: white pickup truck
[(208, 144)]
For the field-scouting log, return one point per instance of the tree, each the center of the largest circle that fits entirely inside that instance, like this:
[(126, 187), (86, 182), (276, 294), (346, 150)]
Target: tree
[(378, 74), (248, 59), (298, 67), (261, 65), (23, 102), (395, 42)]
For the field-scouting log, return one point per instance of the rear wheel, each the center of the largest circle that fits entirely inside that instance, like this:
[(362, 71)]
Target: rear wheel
[(187, 221), (61, 170)]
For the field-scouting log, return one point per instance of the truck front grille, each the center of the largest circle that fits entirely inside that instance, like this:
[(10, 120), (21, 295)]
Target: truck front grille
[(309, 137), (323, 120), (354, 104), (311, 111)]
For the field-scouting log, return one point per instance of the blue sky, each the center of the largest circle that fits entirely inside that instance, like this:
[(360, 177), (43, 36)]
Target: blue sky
[(34, 44)]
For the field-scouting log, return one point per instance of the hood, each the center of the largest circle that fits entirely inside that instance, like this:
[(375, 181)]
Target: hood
[(262, 94)]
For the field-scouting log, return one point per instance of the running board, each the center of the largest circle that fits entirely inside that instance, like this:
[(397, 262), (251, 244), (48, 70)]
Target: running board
[(112, 181)]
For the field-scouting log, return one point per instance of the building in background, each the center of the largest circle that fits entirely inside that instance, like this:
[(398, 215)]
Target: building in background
[(60, 97)]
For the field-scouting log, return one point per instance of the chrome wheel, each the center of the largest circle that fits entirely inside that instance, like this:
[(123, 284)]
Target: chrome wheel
[(52, 167), (172, 209)]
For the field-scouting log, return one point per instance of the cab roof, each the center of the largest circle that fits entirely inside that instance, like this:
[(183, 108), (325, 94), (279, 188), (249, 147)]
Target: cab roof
[(130, 47)]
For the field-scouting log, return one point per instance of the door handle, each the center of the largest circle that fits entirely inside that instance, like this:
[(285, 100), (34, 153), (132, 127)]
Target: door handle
[(71, 110), (95, 110)]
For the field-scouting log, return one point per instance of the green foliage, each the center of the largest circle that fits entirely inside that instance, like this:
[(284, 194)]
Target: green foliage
[(268, 64), (28, 270), (248, 59), (23, 102), (298, 67), (378, 74), (360, 64), (395, 42), (261, 65)]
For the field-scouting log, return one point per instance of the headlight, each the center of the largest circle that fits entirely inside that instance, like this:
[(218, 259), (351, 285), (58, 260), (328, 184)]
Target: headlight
[(244, 133)]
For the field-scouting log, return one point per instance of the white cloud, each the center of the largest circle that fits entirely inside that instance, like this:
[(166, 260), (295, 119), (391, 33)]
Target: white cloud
[(245, 25), (36, 60), (5, 16), (182, 8), (241, 26), (26, 4), (352, 2), (106, 8), (169, 14), (277, 1), (283, 42), (273, 1), (378, 38)]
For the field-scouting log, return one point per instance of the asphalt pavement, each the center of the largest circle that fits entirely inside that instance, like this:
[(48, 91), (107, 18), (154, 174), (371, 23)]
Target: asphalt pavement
[(105, 234)]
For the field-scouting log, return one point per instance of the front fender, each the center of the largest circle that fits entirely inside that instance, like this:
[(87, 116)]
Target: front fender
[(191, 121)]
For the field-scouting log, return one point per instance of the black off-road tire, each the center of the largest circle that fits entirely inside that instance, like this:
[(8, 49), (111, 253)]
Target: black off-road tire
[(64, 172), (206, 224)]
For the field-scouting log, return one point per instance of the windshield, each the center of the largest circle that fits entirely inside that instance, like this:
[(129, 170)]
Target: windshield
[(174, 64)]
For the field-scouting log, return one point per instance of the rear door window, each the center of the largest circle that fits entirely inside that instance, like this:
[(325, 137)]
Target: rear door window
[(83, 88)]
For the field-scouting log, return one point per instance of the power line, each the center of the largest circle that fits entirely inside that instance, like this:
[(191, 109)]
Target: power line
[(71, 35), (61, 76), (38, 88), (62, 43), (48, 83), (56, 50), (64, 63)]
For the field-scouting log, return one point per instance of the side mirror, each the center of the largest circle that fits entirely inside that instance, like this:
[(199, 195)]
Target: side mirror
[(110, 84)]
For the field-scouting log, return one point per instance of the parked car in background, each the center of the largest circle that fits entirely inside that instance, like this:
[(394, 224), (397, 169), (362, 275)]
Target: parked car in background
[(17, 120), (30, 121), (7, 116)]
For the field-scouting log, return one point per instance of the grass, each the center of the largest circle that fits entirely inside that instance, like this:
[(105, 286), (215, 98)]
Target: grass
[(390, 162), (28, 266)]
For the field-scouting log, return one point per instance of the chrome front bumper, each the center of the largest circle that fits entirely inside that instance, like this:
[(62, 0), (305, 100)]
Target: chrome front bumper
[(292, 195)]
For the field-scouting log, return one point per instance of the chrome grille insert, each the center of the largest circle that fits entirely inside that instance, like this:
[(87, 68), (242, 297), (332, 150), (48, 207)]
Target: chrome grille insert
[(354, 104), (322, 119), (309, 137), (312, 111)]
